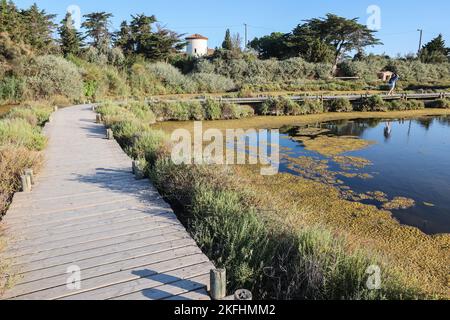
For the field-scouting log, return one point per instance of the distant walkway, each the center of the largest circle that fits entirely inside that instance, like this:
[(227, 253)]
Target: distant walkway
[(87, 211)]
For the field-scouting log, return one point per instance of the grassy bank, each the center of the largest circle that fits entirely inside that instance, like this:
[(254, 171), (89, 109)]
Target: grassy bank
[(263, 242), (21, 143)]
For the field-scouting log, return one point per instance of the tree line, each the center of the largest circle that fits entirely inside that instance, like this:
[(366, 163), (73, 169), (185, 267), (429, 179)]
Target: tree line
[(320, 40), (330, 39), (139, 36)]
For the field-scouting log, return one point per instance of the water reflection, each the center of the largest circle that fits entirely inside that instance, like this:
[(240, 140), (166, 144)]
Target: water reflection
[(410, 157)]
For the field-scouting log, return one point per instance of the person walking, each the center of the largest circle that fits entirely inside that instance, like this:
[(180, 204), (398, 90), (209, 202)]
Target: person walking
[(393, 83)]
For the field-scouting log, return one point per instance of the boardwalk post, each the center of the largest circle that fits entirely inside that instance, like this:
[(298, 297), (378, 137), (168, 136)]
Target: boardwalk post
[(98, 118), (29, 172), (218, 284), (137, 170), (26, 183), (109, 134), (55, 108), (94, 108)]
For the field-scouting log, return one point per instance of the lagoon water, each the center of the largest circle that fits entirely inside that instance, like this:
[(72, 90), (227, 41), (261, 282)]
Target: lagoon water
[(411, 158)]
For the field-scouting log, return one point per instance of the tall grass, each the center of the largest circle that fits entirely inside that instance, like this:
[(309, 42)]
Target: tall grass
[(21, 140), (20, 133)]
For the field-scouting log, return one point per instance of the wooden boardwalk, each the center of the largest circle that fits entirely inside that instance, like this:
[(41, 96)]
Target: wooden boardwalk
[(351, 97), (88, 213)]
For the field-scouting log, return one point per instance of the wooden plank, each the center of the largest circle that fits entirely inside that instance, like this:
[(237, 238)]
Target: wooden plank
[(29, 264), (27, 247), (87, 223), (200, 294), (47, 235), (100, 259), (20, 251), (103, 276), (169, 290), (146, 282), (41, 254)]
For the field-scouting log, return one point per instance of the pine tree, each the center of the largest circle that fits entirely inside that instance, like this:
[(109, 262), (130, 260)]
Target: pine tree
[(123, 39), (141, 33), (11, 21), (70, 41), (162, 44), (97, 25), (228, 42), (40, 28), (435, 51), (437, 45)]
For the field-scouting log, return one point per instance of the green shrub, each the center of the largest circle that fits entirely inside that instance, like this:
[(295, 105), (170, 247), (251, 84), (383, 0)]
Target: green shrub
[(403, 105), (235, 111), (339, 105), (265, 107), (37, 116), (372, 103), (11, 89), (125, 131), (144, 83), (231, 236), (20, 132), (178, 111), (210, 82), (289, 106), (310, 106), (148, 145), (142, 112), (196, 111), (54, 76), (213, 110), (440, 104), (116, 83), (172, 78)]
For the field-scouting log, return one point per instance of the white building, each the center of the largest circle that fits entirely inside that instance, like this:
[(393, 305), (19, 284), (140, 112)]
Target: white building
[(197, 45)]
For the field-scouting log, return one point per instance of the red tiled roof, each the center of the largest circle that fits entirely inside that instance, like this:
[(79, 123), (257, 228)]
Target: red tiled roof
[(196, 36)]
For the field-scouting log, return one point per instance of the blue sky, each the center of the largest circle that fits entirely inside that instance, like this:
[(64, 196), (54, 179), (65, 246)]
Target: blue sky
[(399, 19)]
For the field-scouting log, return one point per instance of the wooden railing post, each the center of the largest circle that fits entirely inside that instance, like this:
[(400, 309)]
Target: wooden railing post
[(26, 183), (55, 108), (109, 134), (218, 284), (29, 172), (137, 170), (98, 118)]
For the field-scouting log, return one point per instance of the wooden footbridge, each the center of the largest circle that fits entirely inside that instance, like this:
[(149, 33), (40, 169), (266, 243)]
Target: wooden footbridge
[(351, 97), (90, 230)]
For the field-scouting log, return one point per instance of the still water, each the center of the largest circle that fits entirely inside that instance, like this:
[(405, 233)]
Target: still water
[(410, 158)]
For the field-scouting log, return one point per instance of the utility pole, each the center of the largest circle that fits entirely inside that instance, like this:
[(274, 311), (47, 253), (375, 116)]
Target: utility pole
[(420, 41), (246, 36)]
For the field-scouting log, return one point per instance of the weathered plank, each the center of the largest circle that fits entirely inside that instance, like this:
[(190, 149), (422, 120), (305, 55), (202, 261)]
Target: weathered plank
[(88, 210)]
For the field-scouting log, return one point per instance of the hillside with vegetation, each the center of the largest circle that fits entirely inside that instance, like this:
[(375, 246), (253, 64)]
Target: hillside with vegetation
[(41, 59)]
